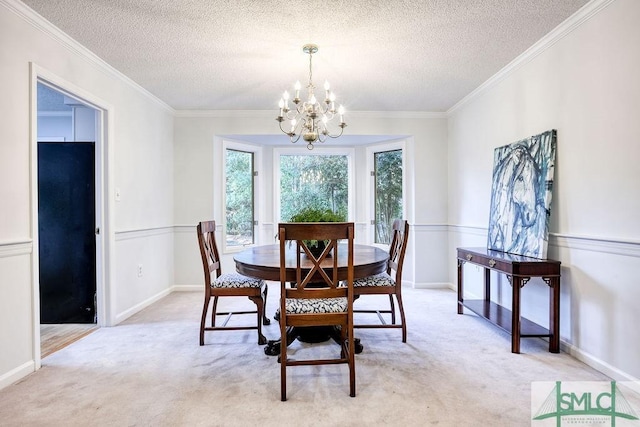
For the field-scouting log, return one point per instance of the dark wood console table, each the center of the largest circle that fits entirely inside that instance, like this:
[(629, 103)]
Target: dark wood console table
[(519, 270)]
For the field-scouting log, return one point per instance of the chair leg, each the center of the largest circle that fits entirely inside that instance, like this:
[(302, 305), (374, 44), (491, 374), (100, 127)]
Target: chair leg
[(352, 365), (404, 323), (214, 309), (265, 319), (393, 310), (259, 302), (348, 351), (283, 361), (344, 343), (204, 318)]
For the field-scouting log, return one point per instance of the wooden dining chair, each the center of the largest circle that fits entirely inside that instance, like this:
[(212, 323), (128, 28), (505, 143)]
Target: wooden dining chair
[(217, 284), (317, 297), (387, 283)]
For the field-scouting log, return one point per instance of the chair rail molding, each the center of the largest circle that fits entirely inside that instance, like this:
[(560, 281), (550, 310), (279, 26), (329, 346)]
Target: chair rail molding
[(9, 249), (143, 232), (596, 244), (610, 245), (429, 228)]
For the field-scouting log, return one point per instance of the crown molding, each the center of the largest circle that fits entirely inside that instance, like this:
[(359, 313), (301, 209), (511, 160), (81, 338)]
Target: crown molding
[(225, 113), (272, 113), (565, 28), (399, 114), (37, 21)]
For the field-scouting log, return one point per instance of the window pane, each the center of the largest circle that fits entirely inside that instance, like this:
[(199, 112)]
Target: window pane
[(313, 182), (239, 188), (388, 192)]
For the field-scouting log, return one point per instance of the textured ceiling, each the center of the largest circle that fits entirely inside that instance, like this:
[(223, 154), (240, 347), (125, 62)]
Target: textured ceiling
[(393, 55)]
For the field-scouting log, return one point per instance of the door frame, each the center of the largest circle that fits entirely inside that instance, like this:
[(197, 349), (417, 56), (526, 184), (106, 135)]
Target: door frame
[(103, 184)]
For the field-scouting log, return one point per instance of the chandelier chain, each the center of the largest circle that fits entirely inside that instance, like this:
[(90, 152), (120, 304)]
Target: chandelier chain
[(310, 71)]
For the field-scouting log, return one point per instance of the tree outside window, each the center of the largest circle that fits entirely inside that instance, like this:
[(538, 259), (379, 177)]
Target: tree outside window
[(239, 198), (313, 181), (388, 192)]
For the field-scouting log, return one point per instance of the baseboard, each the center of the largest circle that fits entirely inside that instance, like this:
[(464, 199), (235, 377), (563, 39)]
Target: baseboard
[(186, 288), (144, 304), (17, 374), (433, 285), (595, 363)]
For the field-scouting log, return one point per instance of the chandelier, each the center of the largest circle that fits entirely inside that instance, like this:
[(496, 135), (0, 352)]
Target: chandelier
[(310, 118)]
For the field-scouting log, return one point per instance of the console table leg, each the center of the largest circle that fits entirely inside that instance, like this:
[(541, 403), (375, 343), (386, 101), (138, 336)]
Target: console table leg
[(487, 284), (554, 314), (515, 311), (460, 288)]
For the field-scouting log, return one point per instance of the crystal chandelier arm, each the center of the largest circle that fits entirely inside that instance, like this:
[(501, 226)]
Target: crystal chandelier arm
[(338, 135), (323, 131), (292, 132)]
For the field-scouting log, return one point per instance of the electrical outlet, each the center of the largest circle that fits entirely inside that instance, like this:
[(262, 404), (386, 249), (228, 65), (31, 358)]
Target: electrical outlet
[(139, 270)]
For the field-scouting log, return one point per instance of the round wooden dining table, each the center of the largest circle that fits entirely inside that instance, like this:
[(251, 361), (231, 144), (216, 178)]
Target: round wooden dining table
[(263, 262)]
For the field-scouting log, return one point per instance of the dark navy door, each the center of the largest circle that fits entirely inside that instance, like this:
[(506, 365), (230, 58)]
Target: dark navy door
[(66, 228)]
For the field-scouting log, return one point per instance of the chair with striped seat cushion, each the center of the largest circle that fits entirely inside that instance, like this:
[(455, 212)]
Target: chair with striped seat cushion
[(317, 305), (380, 279), (386, 283), (237, 280), (317, 297), (217, 284)]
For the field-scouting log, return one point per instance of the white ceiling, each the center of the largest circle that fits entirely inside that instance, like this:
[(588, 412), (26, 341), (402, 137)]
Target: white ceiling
[(393, 55)]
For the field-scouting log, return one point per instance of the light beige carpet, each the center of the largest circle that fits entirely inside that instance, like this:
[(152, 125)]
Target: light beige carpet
[(150, 371)]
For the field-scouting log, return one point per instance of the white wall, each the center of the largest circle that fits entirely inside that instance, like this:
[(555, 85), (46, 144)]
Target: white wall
[(586, 86), (138, 160), (56, 126), (84, 123), (198, 183), (75, 125)]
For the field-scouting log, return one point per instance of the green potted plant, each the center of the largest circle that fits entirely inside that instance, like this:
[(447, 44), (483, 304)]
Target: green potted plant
[(316, 215)]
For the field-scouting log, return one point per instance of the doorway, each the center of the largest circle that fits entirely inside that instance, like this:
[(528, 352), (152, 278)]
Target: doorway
[(67, 222)]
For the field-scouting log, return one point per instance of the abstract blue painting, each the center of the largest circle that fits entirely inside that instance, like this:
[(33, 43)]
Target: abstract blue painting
[(521, 196)]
